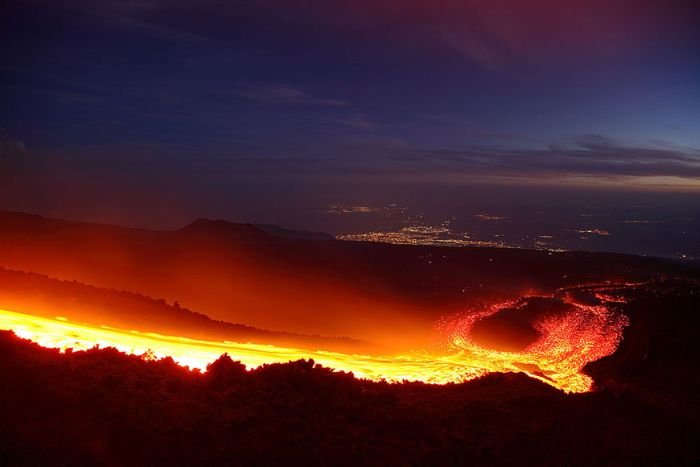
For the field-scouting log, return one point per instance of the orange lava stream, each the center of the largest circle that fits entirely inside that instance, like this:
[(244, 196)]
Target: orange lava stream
[(566, 345)]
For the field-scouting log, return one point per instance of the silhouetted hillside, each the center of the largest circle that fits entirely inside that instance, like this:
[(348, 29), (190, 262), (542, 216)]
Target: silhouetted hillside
[(42, 296), (278, 231), (226, 231)]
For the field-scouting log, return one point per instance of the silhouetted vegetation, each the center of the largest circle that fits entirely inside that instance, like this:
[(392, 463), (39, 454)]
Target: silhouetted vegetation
[(101, 407)]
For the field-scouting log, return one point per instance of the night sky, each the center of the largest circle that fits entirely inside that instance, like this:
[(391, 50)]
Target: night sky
[(152, 112)]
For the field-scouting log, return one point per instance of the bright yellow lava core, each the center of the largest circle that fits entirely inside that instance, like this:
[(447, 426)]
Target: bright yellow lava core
[(566, 345)]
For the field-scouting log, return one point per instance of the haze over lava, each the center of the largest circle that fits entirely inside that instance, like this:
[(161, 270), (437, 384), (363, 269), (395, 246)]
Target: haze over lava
[(376, 323)]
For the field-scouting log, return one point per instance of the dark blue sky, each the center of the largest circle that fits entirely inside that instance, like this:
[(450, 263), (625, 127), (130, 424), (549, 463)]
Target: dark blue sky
[(178, 105)]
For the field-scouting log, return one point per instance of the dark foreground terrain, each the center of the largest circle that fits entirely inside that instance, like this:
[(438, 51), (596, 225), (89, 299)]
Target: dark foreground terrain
[(102, 407)]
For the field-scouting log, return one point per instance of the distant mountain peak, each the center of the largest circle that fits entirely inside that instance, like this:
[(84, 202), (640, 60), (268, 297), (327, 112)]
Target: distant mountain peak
[(222, 227)]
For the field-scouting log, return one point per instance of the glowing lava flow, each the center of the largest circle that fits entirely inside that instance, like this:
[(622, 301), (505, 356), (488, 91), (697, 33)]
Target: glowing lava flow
[(566, 345)]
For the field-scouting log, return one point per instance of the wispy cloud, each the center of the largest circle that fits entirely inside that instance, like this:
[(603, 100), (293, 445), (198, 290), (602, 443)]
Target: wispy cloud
[(14, 157), (10, 149), (275, 94), (74, 97), (141, 16), (588, 160), (590, 156)]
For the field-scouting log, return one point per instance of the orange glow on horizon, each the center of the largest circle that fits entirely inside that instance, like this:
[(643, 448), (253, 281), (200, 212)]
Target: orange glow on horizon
[(566, 344)]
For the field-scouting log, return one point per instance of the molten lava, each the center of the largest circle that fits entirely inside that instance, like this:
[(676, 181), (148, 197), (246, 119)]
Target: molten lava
[(565, 343)]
